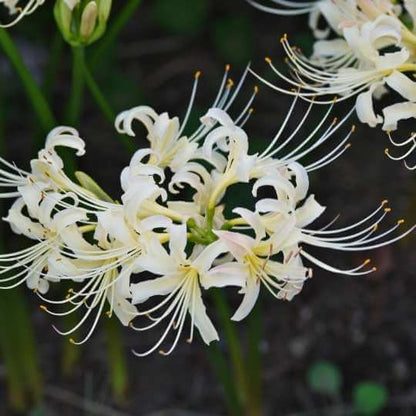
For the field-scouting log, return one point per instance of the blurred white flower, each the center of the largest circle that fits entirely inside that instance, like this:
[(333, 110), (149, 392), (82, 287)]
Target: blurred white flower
[(372, 54), (16, 8)]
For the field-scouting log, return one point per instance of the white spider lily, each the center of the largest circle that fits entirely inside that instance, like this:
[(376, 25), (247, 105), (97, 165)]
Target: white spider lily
[(281, 229), (277, 215), (254, 266), (372, 55), (169, 146), (36, 265), (105, 274), (18, 10), (180, 285), (239, 166)]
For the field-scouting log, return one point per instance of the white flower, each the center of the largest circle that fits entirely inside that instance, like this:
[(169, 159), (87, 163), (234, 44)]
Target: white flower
[(21, 11), (107, 249), (180, 285), (254, 265), (371, 56), (169, 146)]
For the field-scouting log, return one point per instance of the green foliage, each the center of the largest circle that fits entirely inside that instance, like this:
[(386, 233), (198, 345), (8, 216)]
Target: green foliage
[(325, 378), (233, 38), (182, 17), (369, 398)]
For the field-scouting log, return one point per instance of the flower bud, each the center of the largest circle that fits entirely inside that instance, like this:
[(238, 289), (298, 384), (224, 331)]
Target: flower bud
[(82, 22), (88, 20)]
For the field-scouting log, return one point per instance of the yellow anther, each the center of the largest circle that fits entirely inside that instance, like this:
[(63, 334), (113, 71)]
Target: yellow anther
[(43, 307), (335, 120), (197, 74), (375, 228), (256, 89), (227, 67), (367, 261), (108, 313), (268, 60), (388, 209), (353, 128), (374, 269), (386, 201), (230, 83), (348, 145), (71, 340), (251, 110), (386, 150), (401, 221)]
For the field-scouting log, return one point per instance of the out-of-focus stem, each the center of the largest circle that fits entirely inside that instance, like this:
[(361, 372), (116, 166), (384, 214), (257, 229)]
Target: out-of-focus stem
[(33, 92), (113, 31), (104, 105)]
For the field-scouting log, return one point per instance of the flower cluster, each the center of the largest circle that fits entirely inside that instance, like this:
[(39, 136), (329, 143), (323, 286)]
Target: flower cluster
[(371, 54), (174, 233)]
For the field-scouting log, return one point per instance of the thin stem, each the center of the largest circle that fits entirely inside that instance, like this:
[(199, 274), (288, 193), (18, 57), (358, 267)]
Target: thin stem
[(33, 92), (114, 30), (117, 364), (73, 110), (220, 366), (254, 361), (236, 352), (104, 105)]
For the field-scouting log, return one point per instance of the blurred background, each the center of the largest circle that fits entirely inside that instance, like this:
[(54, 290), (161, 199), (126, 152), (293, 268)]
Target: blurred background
[(342, 341)]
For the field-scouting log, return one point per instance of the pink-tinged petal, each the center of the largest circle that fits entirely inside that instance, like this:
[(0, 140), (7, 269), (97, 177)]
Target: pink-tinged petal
[(238, 244), (228, 274), (251, 294)]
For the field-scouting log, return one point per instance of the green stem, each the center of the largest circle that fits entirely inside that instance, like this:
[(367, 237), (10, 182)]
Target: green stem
[(233, 343), (114, 30), (254, 361), (32, 90), (74, 107), (104, 105), (116, 359), (57, 46), (221, 368), (73, 110), (17, 341)]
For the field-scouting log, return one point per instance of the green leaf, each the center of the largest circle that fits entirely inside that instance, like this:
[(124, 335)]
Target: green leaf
[(369, 398), (233, 38), (325, 378), (90, 185), (181, 17)]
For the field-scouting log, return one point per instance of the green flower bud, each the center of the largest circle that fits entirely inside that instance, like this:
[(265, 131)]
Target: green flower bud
[(82, 22)]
